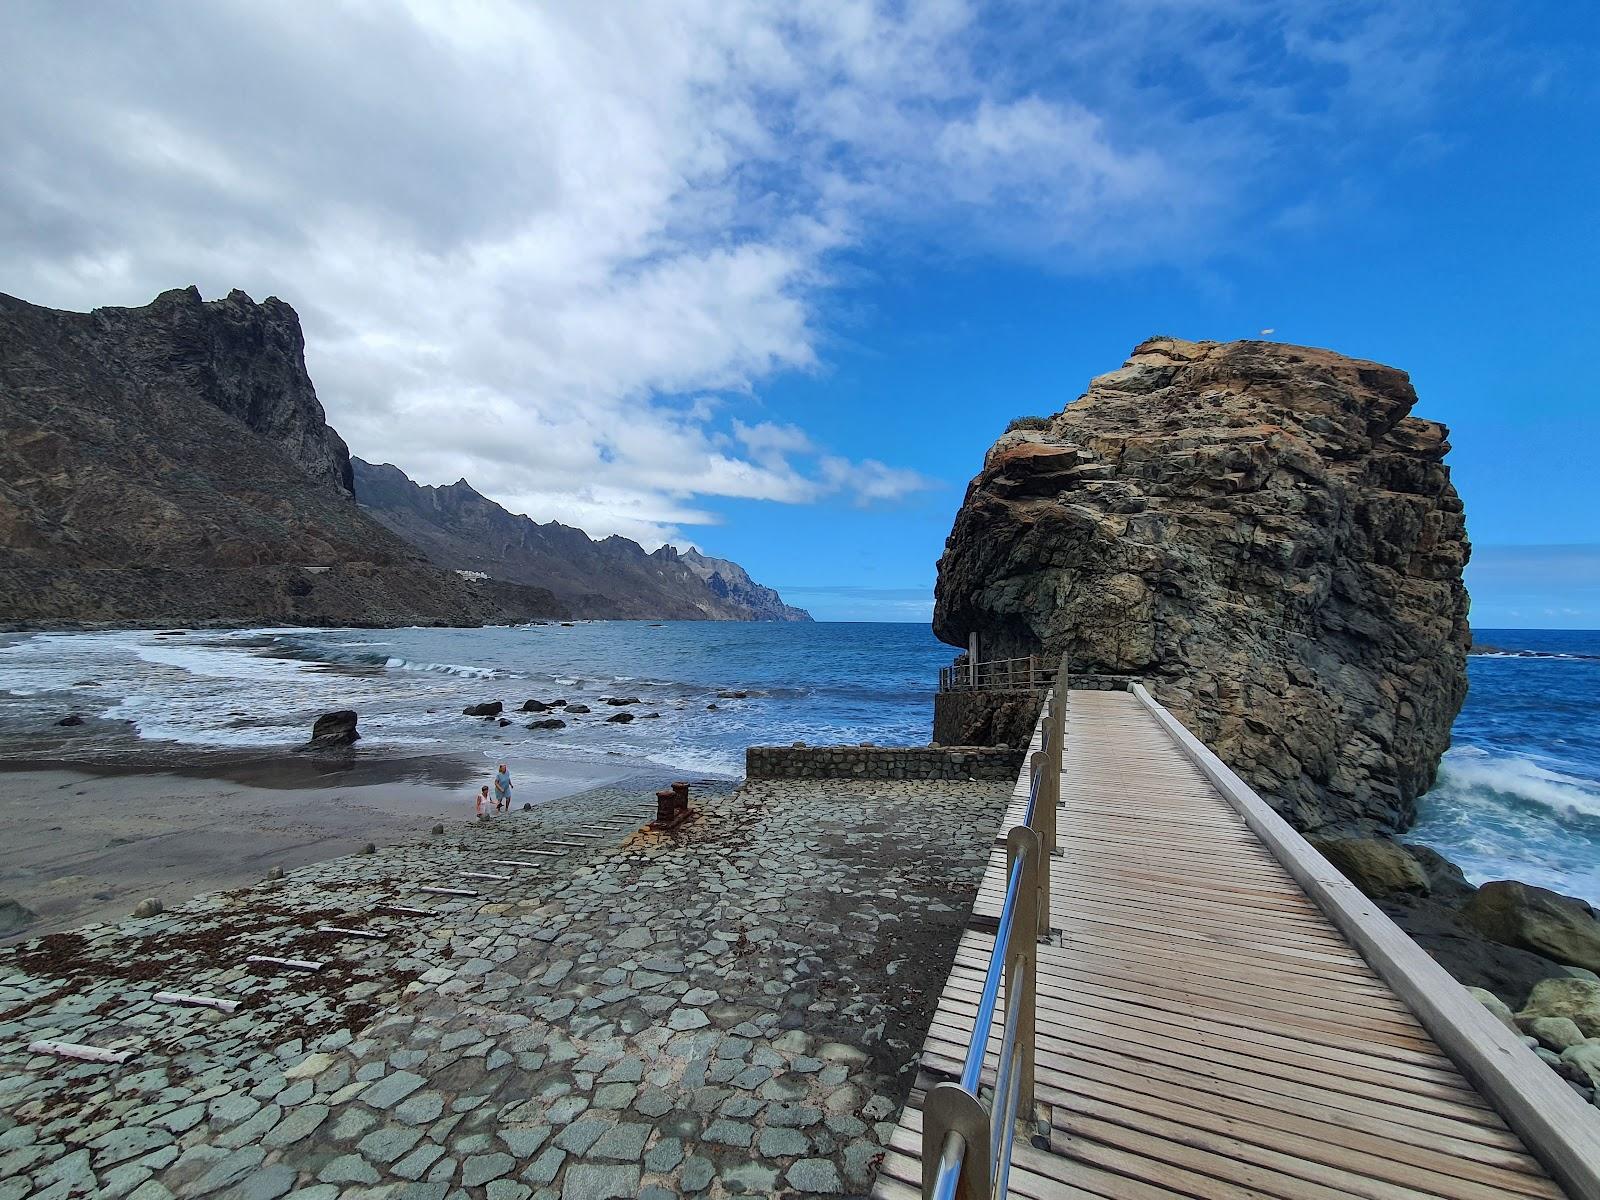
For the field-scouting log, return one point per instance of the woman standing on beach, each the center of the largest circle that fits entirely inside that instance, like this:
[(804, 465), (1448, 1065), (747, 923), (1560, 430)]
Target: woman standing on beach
[(502, 790)]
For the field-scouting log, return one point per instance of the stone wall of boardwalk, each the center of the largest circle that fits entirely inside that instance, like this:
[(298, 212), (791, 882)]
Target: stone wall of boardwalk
[(954, 763)]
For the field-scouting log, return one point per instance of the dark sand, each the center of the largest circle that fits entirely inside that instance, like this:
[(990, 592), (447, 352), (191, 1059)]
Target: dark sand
[(84, 841)]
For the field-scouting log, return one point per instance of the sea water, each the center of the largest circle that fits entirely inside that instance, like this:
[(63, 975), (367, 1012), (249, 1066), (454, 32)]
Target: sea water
[(823, 683), (1518, 793)]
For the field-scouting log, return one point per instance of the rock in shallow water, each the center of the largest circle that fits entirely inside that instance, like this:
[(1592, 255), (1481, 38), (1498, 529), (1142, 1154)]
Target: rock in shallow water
[(1263, 533), (334, 730), (14, 915)]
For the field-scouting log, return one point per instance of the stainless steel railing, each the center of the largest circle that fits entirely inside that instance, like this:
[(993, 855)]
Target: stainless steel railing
[(967, 1147)]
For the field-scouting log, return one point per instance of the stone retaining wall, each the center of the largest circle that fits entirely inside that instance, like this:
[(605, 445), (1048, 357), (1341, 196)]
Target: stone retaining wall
[(1102, 683), (957, 763)]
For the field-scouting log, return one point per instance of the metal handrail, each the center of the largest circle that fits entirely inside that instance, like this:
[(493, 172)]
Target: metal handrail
[(967, 1148)]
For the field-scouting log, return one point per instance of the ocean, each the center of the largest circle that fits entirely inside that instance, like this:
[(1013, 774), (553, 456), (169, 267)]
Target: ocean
[(262, 689), (1518, 793)]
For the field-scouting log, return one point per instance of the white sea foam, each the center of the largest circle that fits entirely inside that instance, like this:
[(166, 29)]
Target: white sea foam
[(402, 664), (1471, 774)]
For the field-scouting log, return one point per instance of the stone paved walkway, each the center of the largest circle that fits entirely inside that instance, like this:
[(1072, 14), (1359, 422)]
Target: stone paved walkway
[(733, 1008)]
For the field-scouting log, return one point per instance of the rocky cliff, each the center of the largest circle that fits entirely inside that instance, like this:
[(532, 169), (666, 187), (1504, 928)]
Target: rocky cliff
[(731, 583), (1266, 535), (171, 464), (611, 578)]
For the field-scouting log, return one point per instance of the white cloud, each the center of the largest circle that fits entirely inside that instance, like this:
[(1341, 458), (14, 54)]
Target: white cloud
[(557, 249)]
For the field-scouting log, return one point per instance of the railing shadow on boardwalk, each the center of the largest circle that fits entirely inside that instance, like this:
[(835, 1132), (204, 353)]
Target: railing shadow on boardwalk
[(1181, 998)]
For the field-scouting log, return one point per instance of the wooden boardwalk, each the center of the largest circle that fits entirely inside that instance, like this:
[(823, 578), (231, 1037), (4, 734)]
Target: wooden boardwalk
[(1204, 1030)]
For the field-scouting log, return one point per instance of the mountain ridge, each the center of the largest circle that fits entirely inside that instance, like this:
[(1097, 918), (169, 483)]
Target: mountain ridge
[(613, 577), (171, 464)]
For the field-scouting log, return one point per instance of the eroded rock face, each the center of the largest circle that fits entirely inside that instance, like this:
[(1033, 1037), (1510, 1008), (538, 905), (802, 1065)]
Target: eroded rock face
[(1267, 536), (245, 358), (170, 464)]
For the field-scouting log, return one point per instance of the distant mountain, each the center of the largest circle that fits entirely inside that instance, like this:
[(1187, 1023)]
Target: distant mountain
[(171, 464), (615, 578), (732, 582)]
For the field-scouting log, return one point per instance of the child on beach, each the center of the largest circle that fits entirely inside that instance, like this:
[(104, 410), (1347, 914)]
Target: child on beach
[(502, 790), (482, 798)]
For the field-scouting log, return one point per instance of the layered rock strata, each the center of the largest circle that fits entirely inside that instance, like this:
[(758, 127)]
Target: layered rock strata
[(1264, 534)]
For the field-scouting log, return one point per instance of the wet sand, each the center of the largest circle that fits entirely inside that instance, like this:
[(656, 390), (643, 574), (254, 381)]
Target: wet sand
[(83, 842)]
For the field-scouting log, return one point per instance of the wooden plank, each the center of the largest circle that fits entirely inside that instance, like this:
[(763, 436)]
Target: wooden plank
[(94, 1054), (1205, 1030), (1247, 1014), (288, 964), (186, 1000), (1561, 1130), (373, 935)]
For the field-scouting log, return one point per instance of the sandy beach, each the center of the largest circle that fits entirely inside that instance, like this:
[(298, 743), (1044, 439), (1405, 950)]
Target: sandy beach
[(87, 842)]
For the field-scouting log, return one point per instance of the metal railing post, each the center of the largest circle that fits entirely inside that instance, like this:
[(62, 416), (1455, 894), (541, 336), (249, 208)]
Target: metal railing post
[(1022, 954), (1043, 822), (955, 1125)]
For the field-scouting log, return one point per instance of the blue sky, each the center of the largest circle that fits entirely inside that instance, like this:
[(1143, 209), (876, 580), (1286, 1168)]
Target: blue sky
[(770, 282)]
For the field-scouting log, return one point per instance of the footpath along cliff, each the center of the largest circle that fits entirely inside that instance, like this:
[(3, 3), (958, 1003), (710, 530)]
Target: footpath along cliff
[(1266, 536)]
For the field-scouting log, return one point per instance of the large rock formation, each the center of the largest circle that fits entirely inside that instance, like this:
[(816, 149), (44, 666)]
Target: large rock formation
[(244, 358), (615, 578), (1262, 532), (171, 464)]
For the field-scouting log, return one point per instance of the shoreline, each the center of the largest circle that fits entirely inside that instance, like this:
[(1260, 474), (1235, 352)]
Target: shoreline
[(90, 838)]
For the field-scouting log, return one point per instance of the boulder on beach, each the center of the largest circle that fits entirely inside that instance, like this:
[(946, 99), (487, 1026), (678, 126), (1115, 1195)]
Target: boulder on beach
[(1532, 918), (150, 907), (1576, 999), (334, 730), (578, 708), (1585, 1056), (536, 706), (1554, 1033), (621, 718), (1377, 866), (1497, 1007), (14, 915), (548, 723), (491, 708)]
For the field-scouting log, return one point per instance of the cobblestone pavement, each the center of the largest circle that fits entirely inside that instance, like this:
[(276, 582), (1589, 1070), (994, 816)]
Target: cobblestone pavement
[(730, 1008)]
